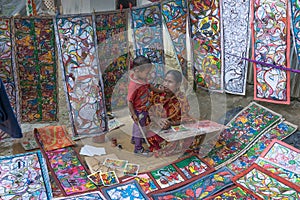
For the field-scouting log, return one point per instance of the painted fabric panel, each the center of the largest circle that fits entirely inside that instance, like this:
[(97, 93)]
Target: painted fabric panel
[(7, 68), (147, 35), (243, 130), (36, 67), (236, 35), (87, 196), (265, 185), (271, 44), (279, 131), (174, 13), (24, 176), (295, 16), (84, 87), (233, 192), (69, 171), (200, 188), (112, 40), (206, 42)]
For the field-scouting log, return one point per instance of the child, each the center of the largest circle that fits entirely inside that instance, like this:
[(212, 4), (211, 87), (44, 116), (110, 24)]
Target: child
[(138, 100)]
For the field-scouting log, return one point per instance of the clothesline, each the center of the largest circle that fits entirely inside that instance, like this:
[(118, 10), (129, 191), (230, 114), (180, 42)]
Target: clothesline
[(266, 64)]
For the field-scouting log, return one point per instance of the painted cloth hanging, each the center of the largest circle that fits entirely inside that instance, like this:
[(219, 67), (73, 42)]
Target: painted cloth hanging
[(112, 39), (206, 42), (79, 62), (7, 67), (236, 36), (37, 69), (295, 16), (147, 35), (175, 17), (271, 44)]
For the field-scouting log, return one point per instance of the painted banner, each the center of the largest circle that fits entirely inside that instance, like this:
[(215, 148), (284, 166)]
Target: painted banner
[(236, 36), (271, 44), (148, 35), (36, 68), (206, 42), (80, 66), (295, 16), (112, 39)]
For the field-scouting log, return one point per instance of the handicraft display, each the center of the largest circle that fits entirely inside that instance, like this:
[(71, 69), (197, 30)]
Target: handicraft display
[(236, 36), (233, 192), (206, 43), (37, 69), (112, 39), (271, 44), (147, 35), (24, 176), (295, 16), (80, 64)]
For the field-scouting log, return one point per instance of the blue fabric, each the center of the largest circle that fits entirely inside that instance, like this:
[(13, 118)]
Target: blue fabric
[(8, 121)]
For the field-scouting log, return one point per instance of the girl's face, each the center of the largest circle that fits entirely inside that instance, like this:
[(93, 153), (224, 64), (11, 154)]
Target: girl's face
[(170, 83)]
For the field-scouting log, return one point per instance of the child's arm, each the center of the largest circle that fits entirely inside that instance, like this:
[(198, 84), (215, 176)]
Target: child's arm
[(131, 110)]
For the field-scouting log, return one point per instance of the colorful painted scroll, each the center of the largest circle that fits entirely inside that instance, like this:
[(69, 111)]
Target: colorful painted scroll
[(243, 130), (271, 44), (79, 61), (175, 16), (112, 39), (295, 16), (7, 67), (148, 38), (279, 131), (236, 36), (264, 185), (200, 188), (24, 176), (233, 192), (37, 69), (87, 196), (69, 172), (206, 41)]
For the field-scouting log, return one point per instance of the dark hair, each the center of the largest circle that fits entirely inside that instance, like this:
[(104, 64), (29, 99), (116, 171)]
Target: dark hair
[(139, 62), (176, 74)]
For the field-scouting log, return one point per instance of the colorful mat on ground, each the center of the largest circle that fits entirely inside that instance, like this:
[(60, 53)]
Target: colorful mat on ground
[(37, 68), (264, 185), (295, 16), (236, 37), (231, 193), (271, 44), (24, 176), (53, 137), (7, 67), (87, 196), (206, 42), (243, 130), (112, 39), (279, 131), (147, 35), (200, 188), (174, 13), (80, 65)]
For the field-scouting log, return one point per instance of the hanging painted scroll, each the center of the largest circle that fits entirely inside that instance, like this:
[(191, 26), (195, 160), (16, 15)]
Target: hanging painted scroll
[(175, 16), (79, 61), (37, 69), (236, 36), (206, 41), (295, 15), (271, 44), (7, 68), (112, 39), (147, 33), (30, 8)]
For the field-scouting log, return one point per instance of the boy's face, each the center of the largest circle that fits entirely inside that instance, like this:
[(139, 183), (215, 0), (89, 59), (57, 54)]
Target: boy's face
[(144, 74)]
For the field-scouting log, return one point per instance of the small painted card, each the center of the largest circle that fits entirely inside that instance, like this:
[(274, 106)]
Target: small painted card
[(131, 169), (115, 163), (109, 178), (96, 178)]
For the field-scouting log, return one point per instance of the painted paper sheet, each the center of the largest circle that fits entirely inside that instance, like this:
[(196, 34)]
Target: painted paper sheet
[(37, 69), (236, 37), (231, 193), (295, 16), (24, 176), (69, 171), (271, 44), (84, 87), (263, 184), (87, 196), (147, 35), (175, 16), (128, 190), (206, 42), (243, 130), (200, 188), (112, 39), (7, 68), (279, 131)]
